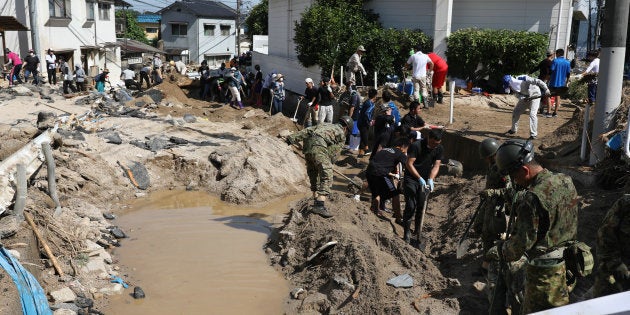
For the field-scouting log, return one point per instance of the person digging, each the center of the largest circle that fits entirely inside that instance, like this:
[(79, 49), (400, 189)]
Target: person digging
[(321, 146)]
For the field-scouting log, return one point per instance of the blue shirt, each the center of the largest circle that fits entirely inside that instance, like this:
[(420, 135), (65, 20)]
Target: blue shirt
[(395, 112), (560, 70)]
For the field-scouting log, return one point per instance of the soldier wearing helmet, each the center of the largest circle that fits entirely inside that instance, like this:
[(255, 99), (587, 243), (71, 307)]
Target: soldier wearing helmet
[(490, 221), (321, 145), (547, 222)]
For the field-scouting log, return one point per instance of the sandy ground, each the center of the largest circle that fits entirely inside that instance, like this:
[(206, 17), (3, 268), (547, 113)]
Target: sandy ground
[(228, 153)]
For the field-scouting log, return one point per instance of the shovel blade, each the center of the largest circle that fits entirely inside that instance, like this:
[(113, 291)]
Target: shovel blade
[(462, 248)]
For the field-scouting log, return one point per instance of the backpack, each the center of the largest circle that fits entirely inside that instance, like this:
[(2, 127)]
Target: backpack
[(578, 259)]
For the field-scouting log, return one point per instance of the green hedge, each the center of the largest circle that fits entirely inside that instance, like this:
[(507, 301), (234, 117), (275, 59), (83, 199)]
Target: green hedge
[(499, 52), (330, 31)]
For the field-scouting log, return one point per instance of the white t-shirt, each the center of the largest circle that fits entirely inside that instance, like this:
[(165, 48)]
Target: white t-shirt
[(593, 66), (50, 61), (419, 62), (128, 74)]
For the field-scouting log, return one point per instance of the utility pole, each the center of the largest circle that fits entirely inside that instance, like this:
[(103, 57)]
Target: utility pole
[(32, 6), (238, 28), (611, 72)]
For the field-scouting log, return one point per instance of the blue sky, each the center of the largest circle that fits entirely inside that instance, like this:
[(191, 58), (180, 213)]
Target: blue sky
[(156, 5)]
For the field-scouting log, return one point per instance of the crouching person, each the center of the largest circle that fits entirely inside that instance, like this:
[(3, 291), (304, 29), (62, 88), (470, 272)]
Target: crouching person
[(381, 171)]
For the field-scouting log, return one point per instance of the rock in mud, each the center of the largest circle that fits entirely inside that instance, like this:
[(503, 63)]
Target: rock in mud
[(83, 302), (109, 216), (9, 225), (189, 118), (402, 281), (111, 137), (45, 120), (118, 233), (178, 140), (156, 144), (141, 175), (138, 293), (66, 306), (63, 295), (112, 289), (71, 134), (22, 91), (155, 95)]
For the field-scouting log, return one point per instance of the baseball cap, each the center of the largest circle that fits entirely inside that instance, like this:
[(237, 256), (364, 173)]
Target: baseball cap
[(549, 53), (308, 80), (361, 48), (385, 107)]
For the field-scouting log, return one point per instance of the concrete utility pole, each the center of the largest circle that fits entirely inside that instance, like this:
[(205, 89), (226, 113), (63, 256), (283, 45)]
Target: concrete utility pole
[(238, 28), (32, 7), (610, 73)]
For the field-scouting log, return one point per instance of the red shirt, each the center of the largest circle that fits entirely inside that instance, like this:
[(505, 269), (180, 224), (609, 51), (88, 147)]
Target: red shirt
[(439, 64)]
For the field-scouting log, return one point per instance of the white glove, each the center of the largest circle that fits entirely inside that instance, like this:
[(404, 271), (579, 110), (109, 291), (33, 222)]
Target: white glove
[(310, 103), (329, 89), (364, 73), (397, 176)]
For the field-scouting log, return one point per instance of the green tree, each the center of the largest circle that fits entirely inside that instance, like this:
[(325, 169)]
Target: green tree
[(257, 20), (133, 30), (330, 31)]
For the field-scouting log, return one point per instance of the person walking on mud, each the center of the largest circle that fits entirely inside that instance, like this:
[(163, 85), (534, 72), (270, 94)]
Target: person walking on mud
[(423, 164), (321, 145), (530, 91), (381, 173)]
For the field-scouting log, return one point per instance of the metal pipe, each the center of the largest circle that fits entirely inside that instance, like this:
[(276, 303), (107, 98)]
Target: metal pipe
[(450, 117), (375, 80), (52, 183), (587, 114), (20, 195), (558, 26)]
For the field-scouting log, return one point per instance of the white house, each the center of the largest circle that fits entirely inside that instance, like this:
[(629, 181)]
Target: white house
[(194, 30), (80, 30), (437, 18)]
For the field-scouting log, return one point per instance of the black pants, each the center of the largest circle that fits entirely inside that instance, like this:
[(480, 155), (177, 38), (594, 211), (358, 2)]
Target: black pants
[(81, 86), (52, 76), (144, 77), (364, 133), (415, 196), (129, 83), (66, 84)]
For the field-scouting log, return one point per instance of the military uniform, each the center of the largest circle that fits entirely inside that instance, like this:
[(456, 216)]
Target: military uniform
[(613, 248), (322, 144), (547, 219), (489, 222)]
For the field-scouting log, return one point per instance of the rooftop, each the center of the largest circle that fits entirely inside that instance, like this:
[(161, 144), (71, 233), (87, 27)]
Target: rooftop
[(149, 18), (203, 8)]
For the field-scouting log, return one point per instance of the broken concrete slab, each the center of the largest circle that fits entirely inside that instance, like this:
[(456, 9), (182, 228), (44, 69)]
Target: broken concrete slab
[(9, 225), (21, 91), (95, 265), (111, 137), (112, 289), (402, 281), (189, 118), (45, 120)]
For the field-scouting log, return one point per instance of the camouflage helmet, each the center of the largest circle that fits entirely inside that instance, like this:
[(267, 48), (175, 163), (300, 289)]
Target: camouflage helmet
[(346, 121), (513, 154), (488, 147)]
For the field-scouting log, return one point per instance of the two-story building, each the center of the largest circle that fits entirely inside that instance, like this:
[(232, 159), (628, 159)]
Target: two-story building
[(196, 30), (150, 23), (82, 31)]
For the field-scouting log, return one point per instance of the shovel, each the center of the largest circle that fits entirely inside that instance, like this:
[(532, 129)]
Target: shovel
[(296, 110), (422, 244)]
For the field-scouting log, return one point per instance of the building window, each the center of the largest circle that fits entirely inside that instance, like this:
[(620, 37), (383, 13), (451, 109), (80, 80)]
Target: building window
[(151, 30), (225, 30), (179, 29), (103, 11), (208, 30), (59, 8), (89, 10)]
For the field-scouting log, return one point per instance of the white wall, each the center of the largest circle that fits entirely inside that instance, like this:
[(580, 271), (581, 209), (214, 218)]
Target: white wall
[(282, 17), (217, 44), (294, 73)]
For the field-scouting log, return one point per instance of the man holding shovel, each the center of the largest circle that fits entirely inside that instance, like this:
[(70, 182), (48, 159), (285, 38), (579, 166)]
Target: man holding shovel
[(321, 145), (354, 65), (423, 165)]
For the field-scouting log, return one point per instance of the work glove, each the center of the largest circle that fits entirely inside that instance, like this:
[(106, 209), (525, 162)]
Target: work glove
[(422, 181), (310, 104), (621, 272), (547, 93), (396, 176), (329, 89), (364, 73), (431, 185)]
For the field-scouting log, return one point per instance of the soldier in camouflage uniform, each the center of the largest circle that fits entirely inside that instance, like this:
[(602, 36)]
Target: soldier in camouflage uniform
[(613, 250), (546, 220), (322, 144), (491, 222)]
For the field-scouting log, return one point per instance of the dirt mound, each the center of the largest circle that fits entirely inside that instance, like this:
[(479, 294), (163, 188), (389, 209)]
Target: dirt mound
[(351, 277)]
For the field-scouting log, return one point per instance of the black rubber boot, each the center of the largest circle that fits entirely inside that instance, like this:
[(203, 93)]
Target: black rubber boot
[(320, 209), (407, 232), (440, 97)]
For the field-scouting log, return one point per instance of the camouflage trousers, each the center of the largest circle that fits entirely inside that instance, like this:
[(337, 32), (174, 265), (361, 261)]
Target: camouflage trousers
[(509, 295), (319, 168), (545, 285)]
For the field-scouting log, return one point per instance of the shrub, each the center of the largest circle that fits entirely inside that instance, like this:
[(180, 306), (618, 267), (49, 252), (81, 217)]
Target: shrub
[(474, 54), (577, 92)]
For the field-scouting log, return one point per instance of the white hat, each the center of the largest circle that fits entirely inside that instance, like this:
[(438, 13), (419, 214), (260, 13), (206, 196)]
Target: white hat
[(308, 80), (361, 48)]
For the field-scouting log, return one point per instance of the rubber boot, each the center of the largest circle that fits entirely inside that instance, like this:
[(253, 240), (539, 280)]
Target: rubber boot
[(320, 209), (407, 232), (440, 97), (232, 104), (240, 105)]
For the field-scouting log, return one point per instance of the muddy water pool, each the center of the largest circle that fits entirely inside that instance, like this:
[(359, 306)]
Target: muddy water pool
[(193, 254)]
